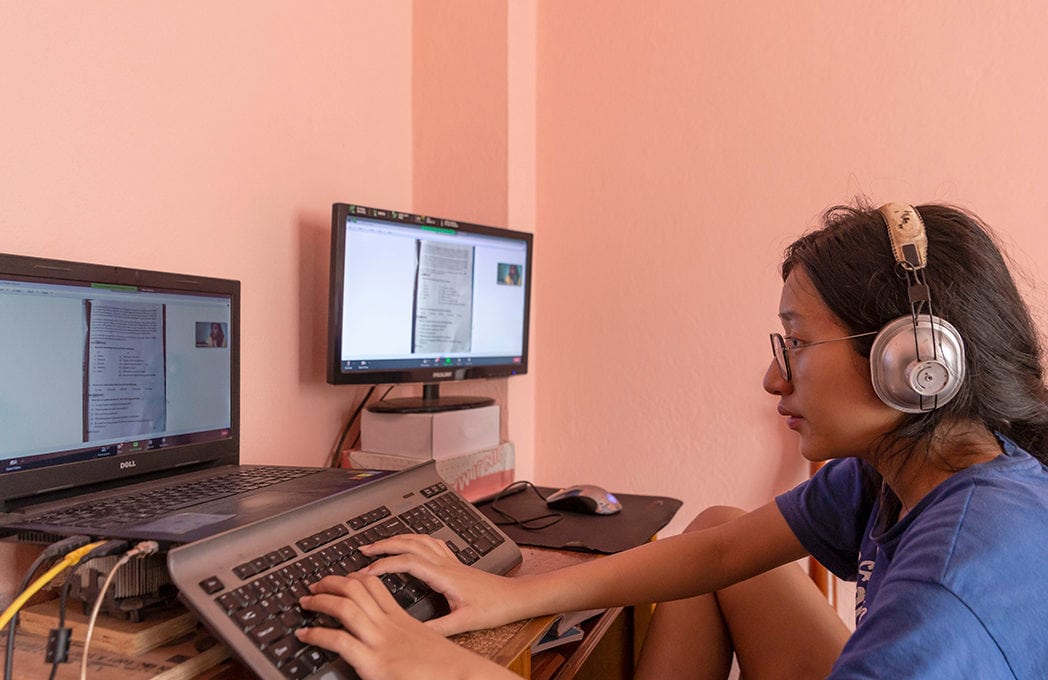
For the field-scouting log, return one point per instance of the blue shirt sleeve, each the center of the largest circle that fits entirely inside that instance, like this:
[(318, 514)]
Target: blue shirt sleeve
[(829, 514)]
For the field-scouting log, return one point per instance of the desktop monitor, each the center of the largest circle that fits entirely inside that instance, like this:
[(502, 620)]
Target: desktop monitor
[(419, 299)]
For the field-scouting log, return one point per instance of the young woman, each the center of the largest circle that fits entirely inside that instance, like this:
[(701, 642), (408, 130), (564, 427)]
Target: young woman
[(917, 375)]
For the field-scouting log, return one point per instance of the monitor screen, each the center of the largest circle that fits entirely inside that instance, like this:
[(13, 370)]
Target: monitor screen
[(419, 299)]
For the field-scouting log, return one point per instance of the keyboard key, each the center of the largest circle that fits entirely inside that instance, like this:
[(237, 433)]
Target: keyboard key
[(284, 650), (249, 617), (212, 585)]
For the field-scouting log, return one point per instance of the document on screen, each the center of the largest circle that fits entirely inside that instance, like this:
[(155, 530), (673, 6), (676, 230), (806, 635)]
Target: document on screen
[(125, 385), (443, 298)]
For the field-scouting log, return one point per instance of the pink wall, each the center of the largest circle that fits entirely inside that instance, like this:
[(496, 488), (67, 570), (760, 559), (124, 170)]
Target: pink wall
[(682, 145)]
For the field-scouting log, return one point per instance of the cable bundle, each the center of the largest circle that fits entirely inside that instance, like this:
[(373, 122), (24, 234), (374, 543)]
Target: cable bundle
[(73, 552)]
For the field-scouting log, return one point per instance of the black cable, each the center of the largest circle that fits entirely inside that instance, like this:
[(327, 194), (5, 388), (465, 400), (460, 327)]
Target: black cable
[(356, 440), (59, 636), (49, 553), (536, 523), (333, 461)]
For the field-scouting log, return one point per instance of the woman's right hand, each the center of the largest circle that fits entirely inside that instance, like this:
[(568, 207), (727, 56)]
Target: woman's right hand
[(476, 598)]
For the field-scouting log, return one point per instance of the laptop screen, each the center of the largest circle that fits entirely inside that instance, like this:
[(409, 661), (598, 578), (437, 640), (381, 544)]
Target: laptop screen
[(110, 372)]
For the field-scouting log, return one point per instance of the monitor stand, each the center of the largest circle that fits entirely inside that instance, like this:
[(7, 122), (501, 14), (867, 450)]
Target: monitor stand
[(429, 402)]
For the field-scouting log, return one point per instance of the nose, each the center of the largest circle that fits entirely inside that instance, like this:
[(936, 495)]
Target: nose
[(773, 382)]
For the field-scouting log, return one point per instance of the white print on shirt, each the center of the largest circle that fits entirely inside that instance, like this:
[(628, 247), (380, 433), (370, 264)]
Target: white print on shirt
[(863, 577)]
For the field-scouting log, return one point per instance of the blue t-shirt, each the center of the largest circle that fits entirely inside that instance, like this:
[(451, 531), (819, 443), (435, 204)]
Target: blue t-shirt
[(954, 589)]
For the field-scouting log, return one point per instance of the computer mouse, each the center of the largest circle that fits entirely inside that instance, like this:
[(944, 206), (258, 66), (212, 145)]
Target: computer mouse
[(586, 498)]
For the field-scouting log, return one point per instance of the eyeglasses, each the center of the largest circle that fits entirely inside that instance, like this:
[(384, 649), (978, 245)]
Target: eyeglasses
[(779, 350)]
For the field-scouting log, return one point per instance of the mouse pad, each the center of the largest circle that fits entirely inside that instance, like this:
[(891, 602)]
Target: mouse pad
[(640, 519)]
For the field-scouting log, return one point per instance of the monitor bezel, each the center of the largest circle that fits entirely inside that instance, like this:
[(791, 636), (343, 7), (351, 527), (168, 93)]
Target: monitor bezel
[(41, 484), (421, 375)]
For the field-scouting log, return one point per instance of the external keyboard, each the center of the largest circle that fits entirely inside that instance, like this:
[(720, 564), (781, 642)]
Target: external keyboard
[(245, 584)]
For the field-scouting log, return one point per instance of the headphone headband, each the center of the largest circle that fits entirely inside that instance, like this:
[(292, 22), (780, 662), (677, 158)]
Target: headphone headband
[(916, 361), (906, 231)]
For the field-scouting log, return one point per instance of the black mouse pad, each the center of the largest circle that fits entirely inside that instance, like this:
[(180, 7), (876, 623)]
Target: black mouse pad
[(640, 519)]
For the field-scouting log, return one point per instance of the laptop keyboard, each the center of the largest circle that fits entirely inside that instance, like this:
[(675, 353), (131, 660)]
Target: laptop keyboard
[(245, 583), (154, 502)]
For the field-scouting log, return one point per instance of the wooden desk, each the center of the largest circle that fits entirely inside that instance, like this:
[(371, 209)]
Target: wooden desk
[(608, 649)]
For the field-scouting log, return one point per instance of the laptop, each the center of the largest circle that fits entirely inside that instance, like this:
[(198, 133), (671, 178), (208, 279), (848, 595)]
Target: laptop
[(120, 408)]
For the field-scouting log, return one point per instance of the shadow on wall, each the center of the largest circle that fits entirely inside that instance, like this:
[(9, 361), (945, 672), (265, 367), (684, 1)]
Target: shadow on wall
[(314, 239)]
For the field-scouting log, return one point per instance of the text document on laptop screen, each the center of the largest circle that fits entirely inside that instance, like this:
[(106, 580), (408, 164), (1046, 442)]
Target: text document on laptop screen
[(93, 371)]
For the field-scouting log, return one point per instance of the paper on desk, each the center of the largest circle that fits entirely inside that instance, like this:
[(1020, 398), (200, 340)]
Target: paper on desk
[(564, 629)]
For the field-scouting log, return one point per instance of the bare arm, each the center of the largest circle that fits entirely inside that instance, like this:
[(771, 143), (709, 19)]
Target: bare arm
[(681, 566), (677, 567)]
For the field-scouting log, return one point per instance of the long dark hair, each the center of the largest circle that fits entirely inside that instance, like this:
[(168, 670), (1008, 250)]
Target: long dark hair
[(850, 262)]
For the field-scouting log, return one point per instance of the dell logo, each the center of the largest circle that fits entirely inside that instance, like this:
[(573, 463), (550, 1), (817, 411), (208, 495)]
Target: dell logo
[(125, 464), (442, 374)]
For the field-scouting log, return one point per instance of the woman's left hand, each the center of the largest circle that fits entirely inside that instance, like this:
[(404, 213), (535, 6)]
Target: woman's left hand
[(381, 640)]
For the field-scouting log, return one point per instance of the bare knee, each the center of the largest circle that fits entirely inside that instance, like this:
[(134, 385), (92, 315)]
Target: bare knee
[(714, 515)]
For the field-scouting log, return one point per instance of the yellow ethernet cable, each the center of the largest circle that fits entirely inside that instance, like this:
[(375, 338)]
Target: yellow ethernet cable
[(69, 560)]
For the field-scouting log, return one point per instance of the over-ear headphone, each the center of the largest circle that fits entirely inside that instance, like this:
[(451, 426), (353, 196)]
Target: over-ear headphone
[(917, 361)]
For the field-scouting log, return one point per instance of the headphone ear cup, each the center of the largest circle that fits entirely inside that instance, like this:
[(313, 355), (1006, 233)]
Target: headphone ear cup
[(907, 370)]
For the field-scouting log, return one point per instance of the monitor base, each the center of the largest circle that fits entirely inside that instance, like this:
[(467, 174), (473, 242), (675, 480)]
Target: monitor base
[(421, 405), (429, 402)]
